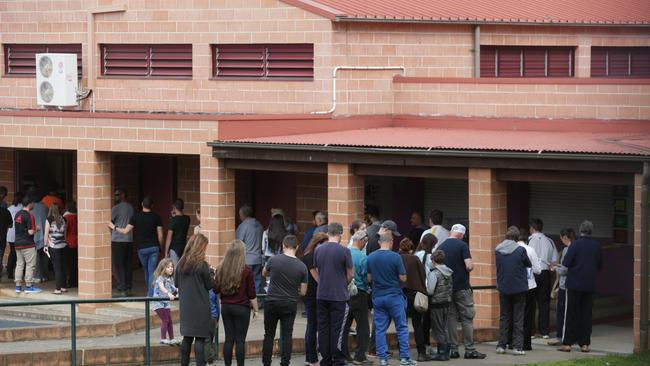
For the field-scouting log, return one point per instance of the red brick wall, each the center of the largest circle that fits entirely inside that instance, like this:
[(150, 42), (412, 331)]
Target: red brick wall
[(637, 261), (311, 195), (345, 196), (7, 177), (200, 23), (189, 186), (425, 51), (449, 97), (487, 228)]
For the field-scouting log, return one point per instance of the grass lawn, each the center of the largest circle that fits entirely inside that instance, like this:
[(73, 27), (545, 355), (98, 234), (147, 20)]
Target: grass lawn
[(633, 360)]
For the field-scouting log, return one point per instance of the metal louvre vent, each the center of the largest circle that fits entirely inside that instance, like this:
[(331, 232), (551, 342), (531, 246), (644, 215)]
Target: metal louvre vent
[(263, 61), (140, 60), (20, 59)]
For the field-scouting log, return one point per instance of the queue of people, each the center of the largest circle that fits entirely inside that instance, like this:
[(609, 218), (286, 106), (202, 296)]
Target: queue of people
[(39, 230), (341, 283)]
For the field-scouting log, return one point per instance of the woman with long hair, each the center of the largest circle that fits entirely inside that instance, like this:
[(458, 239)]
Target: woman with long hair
[(55, 246), (415, 282), (193, 280), (234, 282), (424, 252), (311, 355), (273, 236)]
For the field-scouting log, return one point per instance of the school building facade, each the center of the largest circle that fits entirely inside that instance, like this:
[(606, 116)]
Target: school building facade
[(494, 115)]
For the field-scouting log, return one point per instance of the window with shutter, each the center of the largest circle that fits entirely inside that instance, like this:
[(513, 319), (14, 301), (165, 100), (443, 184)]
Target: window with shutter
[(640, 62), (560, 61), (620, 62), (488, 62), (534, 62), (20, 59), (526, 61), (509, 62), (263, 61), (598, 61), (172, 61)]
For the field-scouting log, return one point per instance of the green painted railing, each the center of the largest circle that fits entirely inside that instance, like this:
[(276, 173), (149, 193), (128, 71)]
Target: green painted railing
[(73, 317), (147, 321)]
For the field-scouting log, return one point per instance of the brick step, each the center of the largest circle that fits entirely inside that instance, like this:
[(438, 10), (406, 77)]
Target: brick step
[(93, 325), (166, 355)]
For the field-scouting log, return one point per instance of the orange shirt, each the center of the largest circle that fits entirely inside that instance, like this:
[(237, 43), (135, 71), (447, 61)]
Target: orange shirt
[(49, 200)]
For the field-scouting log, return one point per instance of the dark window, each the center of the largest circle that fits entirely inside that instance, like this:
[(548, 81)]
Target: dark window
[(263, 61), (526, 61), (173, 61), (620, 62), (20, 59)]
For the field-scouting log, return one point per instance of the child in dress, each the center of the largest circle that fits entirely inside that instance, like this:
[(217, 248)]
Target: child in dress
[(164, 287)]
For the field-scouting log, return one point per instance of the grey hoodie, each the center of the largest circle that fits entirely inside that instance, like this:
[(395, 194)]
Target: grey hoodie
[(507, 247), (432, 279)]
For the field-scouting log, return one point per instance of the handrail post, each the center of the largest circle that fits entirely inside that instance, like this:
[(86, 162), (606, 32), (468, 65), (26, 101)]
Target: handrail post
[(73, 334), (147, 334)]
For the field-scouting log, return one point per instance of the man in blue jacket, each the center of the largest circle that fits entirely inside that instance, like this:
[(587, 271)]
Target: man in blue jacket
[(512, 282), (584, 260)]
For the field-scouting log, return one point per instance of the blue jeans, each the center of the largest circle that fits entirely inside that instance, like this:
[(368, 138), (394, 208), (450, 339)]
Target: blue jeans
[(149, 260), (257, 276), (174, 257), (387, 308), (311, 354)]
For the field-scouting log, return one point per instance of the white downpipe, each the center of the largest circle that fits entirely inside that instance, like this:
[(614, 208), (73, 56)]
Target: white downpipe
[(337, 68)]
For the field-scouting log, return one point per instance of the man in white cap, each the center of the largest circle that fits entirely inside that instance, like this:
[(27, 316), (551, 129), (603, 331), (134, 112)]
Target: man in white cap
[(459, 260)]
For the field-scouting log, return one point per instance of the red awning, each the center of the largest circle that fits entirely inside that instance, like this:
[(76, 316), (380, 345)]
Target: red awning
[(559, 136)]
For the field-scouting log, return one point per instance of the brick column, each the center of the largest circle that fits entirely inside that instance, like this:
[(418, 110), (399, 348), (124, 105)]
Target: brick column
[(94, 194), (7, 179), (217, 204), (582, 59), (345, 195), (7, 174), (311, 195), (487, 227), (637, 261)]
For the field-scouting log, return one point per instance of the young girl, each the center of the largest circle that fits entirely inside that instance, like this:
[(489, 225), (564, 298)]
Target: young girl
[(55, 228), (164, 287)]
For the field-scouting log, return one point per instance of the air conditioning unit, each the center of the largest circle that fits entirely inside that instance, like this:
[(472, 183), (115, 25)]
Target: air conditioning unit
[(56, 79)]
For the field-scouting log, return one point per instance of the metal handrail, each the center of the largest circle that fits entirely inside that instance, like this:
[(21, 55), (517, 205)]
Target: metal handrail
[(147, 313), (73, 317)]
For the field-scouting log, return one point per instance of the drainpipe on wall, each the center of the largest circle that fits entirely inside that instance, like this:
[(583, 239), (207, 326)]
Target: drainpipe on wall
[(643, 333), (337, 68), (477, 51)]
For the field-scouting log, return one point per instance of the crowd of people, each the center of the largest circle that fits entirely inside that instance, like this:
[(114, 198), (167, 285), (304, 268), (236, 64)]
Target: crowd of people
[(369, 281), (39, 231)]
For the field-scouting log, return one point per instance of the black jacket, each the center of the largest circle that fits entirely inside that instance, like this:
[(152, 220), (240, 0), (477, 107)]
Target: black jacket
[(512, 261), (193, 292)]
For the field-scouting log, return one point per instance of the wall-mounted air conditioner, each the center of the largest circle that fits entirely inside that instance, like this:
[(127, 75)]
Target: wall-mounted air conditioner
[(56, 79)]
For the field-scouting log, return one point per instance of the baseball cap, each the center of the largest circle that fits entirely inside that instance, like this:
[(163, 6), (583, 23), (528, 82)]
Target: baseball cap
[(390, 225), (458, 228)]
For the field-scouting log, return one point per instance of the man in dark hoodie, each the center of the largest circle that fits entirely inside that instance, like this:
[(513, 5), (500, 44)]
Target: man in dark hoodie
[(512, 283), (584, 259)]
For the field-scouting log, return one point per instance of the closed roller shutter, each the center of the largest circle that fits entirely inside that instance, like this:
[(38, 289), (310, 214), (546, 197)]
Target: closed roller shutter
[(562, 205), (448, 195)]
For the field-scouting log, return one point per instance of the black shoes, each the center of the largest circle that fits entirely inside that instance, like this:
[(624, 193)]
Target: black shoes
[(474, 355), (454, 354)]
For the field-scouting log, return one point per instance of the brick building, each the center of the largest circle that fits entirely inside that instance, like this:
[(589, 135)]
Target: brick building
[(492, 113)]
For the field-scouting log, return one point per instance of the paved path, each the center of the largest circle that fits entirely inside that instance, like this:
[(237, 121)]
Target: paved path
[(539, 354)]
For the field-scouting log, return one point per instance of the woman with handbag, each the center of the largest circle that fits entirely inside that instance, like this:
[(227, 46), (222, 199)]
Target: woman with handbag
[(415, 283)]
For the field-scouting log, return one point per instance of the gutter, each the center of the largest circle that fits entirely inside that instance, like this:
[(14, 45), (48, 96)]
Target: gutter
[(487, 22), (431, 152), (643, 317)]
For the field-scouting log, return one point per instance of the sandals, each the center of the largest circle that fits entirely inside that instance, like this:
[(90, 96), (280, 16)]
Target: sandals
[(564, 348)]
